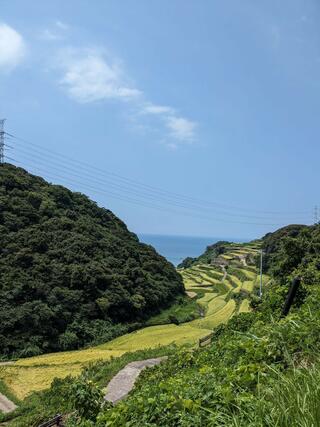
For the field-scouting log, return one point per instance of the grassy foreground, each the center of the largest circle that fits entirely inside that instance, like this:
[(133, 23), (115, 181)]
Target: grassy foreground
[(220, 295)]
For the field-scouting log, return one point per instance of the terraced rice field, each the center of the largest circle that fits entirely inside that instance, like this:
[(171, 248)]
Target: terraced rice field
[(207, 298), (245, 306), (219, 316), (37, 373), (214, 294), (248, 285)]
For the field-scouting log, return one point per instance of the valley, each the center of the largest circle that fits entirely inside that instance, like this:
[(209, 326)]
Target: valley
[(219, 296)]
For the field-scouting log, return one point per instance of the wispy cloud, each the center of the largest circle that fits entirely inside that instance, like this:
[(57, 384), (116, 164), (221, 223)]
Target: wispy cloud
[(90, 75), (62, 25), (181, 128), (54, 32), (157, 109), (12, 47)]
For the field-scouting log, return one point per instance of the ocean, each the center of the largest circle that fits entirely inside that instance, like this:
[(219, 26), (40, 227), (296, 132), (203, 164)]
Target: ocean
[(176, 248)]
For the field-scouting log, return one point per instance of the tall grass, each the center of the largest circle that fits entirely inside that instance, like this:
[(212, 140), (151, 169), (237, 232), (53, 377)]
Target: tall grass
[(296, 399), (293, 401)]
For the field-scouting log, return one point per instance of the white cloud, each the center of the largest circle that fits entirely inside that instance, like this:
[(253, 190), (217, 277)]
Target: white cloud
[(12, 47), (157, 109), (89, 77), (181, 128)]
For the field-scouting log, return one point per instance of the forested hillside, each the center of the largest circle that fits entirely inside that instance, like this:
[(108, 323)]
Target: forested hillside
[(70, 272), (293, 251)]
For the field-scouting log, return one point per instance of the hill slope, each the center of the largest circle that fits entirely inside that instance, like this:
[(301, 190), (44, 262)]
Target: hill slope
[(70, 271), (219, 293), (262, 369)]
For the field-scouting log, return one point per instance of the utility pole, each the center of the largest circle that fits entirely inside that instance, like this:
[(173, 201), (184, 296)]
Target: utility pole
[(2, 133), (316, 217), (261, 254)]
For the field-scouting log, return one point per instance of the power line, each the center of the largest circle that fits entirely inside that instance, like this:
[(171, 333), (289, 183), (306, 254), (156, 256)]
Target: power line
[(154, 190), (42, 159), (135, 201)]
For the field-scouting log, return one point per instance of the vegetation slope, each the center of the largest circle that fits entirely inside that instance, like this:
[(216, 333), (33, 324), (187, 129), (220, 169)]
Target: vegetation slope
[(217, 296), (262, 369), (70, 272)]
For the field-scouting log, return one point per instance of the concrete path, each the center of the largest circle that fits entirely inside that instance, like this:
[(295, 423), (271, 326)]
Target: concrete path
[(6, 405), (122, 383), (223, 268)]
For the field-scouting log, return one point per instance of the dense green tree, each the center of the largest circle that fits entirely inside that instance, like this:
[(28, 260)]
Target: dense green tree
[(70, 271), (294, 251)]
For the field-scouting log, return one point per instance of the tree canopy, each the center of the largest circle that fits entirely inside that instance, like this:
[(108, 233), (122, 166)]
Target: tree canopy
[(70, 271)]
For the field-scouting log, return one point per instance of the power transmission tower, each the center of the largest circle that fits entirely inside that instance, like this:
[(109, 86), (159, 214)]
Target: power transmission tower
[(261, 257), (316, 216), (2, 133)]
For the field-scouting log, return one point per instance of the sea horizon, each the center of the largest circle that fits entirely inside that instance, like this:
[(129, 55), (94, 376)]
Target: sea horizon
[(175, 248)]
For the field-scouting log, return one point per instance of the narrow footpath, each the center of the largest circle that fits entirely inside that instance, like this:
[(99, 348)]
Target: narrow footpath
[(223, 268), (122, 383), (6, 405)]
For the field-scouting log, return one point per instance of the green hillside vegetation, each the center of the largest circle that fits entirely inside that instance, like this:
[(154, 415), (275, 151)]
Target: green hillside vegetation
[(70, 272), (227, 250), (211, 252), (182, 324), (260, 370)]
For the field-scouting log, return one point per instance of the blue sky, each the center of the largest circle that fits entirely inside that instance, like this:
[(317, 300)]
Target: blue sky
[(214, 103)]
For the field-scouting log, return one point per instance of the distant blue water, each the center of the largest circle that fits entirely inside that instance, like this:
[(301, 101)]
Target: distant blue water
[(176, 248)]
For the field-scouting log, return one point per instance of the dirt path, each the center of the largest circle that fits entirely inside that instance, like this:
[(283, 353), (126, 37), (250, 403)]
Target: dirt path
[(122, 383), (6, 405), (223, 268)]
